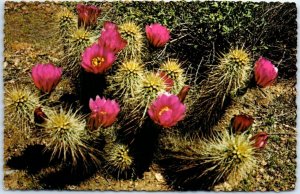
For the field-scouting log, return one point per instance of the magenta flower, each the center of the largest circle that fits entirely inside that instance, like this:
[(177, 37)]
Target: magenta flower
[(97, 59), (46, 76), (111, 38), (87, 15), (157, 34), (167, 110), (260, 140), (110, 26), (104, 112), (265, 72)]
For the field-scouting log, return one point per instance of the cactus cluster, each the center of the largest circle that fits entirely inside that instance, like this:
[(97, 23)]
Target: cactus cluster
[(121, 92)]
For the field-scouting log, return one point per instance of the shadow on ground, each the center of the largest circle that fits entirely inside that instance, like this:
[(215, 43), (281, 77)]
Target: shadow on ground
[(33, 159)]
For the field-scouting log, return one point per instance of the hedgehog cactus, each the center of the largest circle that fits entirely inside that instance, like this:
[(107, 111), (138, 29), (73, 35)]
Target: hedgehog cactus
[(123, 83), (66, 23), (232, 156), (223, 83), (78, 41), (152, 84), (235, 67), (132, 33), (20, 103), (195, 163), (173, 69), (65, 136), (118, 158), (148, 89)]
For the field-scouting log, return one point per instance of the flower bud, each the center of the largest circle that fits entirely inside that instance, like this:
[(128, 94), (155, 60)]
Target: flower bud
[(260, 140)]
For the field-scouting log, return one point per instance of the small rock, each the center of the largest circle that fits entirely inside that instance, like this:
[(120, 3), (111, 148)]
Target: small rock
[(159, 177), (264, 163), (261, 170), (9, 172)]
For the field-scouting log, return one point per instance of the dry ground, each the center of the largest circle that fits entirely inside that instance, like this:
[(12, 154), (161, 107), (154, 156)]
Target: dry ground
[(30, 39)]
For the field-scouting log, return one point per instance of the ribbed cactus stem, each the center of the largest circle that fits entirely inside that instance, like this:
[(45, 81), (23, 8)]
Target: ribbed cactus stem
[(118, 159), (133, 34), (77, 41), (122, 84), (223, 83), (20, 103), (66, 24), (173, 69)]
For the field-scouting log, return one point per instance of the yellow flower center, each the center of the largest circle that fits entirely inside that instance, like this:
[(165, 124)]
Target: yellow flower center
[(97, 61), (103, 112), (164, 109)]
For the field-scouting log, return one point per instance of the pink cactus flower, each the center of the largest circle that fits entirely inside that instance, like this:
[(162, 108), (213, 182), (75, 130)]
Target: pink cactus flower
[(111, 38), (168, 81), (157, 34), (97, 59), (94, 12), (241, 123), (265, 72), (46, 76), (260, 140), (87, 15), (110, 26), (104, 112), (167, 110), (82, 14)]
